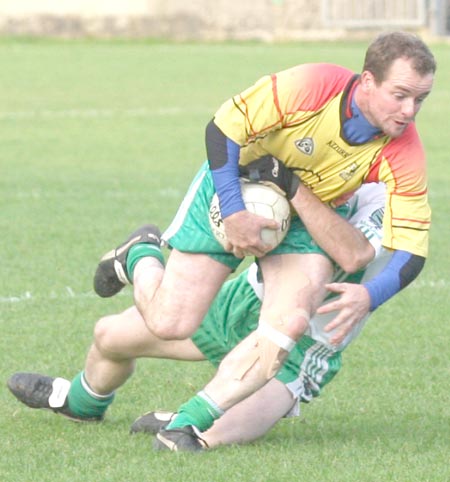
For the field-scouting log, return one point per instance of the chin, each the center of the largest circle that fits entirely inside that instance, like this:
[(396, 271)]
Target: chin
[(395, 132)]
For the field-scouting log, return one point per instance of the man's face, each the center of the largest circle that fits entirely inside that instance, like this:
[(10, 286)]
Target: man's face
[(394, 103)]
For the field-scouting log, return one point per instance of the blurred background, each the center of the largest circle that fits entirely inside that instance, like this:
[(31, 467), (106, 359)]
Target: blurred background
[(269, 20)]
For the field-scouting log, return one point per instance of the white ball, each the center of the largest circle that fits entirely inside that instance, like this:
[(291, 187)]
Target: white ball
[(259, 199)]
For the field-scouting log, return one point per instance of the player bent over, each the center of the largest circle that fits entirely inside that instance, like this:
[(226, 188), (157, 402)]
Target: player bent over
[(120, 339), (336, 129)]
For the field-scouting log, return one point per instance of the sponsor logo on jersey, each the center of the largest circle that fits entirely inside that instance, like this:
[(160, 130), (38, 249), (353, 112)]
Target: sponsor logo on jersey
[(305, 145), (338, 149), (349, 172)]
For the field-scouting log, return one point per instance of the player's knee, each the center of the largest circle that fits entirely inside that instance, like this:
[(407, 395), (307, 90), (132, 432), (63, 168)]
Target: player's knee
[(107, 339), (296, 323), (169, 329)]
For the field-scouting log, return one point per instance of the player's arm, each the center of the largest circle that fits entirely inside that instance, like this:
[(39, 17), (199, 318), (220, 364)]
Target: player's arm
[(356, 300), (223, 158), (335, 235), (242, 227), (344, 243), (402, 269)]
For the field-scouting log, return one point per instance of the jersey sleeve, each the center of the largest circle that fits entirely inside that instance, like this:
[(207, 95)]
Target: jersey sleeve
[(402, 167)]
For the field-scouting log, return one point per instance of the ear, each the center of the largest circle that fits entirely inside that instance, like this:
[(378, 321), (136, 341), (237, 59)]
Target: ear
[(367, 81)]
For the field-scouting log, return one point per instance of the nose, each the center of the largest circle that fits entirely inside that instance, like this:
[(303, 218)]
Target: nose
[(408, 107)]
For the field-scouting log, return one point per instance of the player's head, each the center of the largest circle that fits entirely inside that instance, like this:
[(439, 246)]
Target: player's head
[(388, 47), (397, 77)]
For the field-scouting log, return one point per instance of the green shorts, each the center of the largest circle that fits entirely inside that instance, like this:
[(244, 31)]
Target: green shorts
[(234, 315), (190, 230)]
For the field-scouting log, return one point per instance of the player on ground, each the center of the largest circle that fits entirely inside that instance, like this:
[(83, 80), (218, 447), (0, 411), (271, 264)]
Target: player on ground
[(120, 339)]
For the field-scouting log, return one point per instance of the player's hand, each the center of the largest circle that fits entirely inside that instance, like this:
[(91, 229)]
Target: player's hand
[(353, 305), (271, 171), (243, 230)]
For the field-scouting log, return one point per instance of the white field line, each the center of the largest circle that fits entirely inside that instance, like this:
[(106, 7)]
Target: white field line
[(93, 113), (36, 193), (69, 293)]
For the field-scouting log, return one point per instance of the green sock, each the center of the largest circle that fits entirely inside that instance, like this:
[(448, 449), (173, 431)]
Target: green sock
[(83, 402), (199, 411), (139, 251)]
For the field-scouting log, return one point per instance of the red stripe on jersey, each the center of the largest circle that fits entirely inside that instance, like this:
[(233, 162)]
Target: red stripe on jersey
[(320, 83), (411, 194), (412, 221), (276, 100)]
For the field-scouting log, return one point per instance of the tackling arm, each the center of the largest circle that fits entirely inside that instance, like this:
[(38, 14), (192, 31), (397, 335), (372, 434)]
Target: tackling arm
[(343, 245), (346, 244), (402, 269)]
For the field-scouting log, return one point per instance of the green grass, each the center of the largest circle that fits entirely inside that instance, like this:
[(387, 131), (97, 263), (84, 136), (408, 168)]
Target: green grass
[(98, 137)]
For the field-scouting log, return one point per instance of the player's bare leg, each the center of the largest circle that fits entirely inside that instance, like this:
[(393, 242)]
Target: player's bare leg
[(244, 422), (174, 302), (290, 299), (294, 287), (251, 418), (118, 341)]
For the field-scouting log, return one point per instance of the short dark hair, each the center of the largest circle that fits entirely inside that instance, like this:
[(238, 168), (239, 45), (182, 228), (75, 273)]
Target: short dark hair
[(388, 47)]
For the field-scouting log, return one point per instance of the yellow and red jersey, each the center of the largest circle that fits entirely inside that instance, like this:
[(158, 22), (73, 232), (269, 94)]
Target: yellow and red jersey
[(298, 116)]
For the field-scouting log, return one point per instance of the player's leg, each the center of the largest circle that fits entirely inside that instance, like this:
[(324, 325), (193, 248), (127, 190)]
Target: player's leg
[(246, 421), (233, 315), (177, 307), (118, 341), (251, 418), (293, 288), (174, 300), (253, 362), (311, 365)]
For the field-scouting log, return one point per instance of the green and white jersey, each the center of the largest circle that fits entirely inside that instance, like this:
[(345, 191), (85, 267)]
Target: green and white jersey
[(313, 362), (367, 209)]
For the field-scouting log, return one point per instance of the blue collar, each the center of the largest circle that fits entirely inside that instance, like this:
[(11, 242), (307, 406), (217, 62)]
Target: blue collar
[(357, 129)]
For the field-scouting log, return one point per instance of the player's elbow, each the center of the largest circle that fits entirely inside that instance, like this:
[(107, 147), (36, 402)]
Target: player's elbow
[(356, 260)]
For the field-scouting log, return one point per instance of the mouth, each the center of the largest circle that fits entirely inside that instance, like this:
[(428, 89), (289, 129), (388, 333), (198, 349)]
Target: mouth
[(401, 124)]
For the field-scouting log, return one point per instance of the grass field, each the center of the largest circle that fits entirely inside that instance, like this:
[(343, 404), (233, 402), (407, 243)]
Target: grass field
[(98, 137)]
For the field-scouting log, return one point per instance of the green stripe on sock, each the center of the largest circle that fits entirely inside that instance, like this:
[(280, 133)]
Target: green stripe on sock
[(198, 412), (139, 251), (83, 404)]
